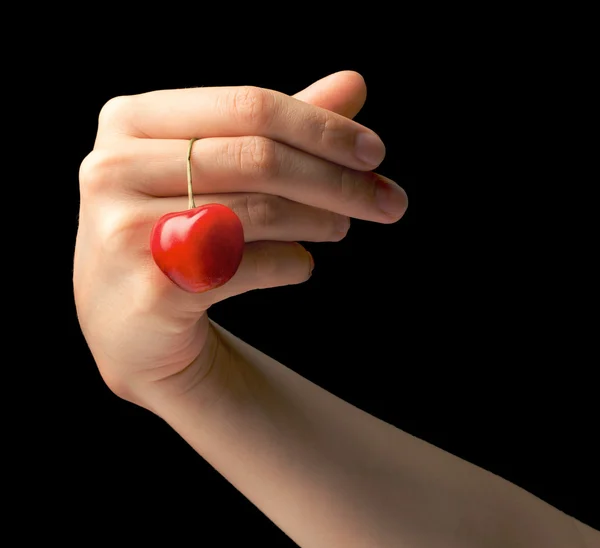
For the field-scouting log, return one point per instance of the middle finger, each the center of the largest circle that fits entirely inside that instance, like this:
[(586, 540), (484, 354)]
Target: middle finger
[(253, 164)]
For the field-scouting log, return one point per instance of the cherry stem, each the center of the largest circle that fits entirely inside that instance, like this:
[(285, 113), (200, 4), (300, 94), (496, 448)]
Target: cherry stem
[(191, 203)]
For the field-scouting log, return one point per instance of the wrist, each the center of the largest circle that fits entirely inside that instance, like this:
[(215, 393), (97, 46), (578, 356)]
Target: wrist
[(213, 376)]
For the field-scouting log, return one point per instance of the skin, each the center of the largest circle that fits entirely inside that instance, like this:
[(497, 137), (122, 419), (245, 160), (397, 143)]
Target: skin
[(327, 473)]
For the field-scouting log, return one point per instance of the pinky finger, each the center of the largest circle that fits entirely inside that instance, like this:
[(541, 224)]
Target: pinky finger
[(266, 264)]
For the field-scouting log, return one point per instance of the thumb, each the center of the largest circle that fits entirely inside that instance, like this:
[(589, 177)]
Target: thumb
[(342, 92)]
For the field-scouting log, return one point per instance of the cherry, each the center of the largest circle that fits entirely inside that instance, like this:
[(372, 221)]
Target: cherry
[(201, 248)]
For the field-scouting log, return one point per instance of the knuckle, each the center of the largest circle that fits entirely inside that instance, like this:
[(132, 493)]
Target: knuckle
[(98, 170), (262, 210), (252, 106), (257, 157), (115, 110), (118, 229), (351, 188), (319, 123)]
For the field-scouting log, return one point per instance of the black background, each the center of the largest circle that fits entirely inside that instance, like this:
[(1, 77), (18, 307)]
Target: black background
[(413, 329)]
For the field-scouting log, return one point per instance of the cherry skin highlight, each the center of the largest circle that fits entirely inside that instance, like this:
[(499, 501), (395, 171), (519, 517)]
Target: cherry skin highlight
[(198, 249)]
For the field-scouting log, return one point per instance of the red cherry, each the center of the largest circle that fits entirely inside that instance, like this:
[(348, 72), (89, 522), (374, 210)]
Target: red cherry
[(201, 248), (198, 249)]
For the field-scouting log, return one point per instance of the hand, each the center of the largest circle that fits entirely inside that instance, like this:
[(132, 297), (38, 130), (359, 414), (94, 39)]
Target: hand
[(292, 168)]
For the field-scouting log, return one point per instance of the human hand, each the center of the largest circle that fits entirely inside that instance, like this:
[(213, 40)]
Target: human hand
[(289, 167)]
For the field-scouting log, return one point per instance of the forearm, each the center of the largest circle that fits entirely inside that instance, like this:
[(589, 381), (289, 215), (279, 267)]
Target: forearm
[(329, 474)]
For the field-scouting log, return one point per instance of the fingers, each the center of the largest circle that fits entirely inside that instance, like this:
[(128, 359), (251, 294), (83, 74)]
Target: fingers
[(291, 168), (342, 92), (157, 167), (264, 265), (239, 111), (266, 217)]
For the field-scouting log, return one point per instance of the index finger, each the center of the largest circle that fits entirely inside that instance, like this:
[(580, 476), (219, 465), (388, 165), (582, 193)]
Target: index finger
[(240, 111)]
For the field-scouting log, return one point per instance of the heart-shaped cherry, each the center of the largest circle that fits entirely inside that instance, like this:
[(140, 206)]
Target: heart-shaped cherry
[(201, 248)]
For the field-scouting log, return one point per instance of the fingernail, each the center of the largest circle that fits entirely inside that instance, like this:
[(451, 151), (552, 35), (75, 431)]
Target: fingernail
[(390, 198), (312, 262), (369, 148), (342, 224)]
